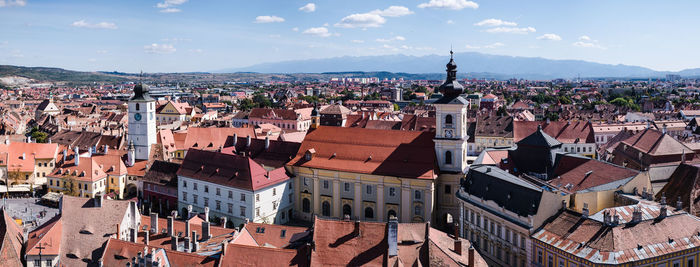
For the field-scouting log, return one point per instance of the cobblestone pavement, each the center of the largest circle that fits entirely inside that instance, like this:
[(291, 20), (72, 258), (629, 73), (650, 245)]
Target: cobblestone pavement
[(29, 210)]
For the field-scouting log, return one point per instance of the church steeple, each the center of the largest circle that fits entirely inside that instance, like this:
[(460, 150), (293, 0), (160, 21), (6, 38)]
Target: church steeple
[(451, 87)]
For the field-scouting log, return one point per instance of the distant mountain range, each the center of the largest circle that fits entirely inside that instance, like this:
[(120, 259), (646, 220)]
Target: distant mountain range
[(471, 64)]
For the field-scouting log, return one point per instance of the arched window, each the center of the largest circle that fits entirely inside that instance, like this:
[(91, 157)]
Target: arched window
[(138, 106), (417, 194), (369, 213), (347, 210), (390, 214), (417, 210), (306, 205), (448, 119), (448, 157), (326, 208)]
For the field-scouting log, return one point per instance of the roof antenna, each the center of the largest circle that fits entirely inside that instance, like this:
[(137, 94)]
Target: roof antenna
[(451, 51)]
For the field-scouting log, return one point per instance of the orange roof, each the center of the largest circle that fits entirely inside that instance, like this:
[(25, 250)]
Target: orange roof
[(274, 235), (212, 138), (111, 164), (338, 243), (20, 156), (11, 240), (406, 154), (161, 240), (242, 255), (48, 237), (118, 253), (88, 170)]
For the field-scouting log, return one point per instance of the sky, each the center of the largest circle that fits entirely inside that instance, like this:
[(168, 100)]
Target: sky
[(211, 35)]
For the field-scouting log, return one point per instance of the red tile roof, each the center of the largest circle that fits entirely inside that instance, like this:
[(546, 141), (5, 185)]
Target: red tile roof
[(118, 253), (11, 240), (587, 173), (563, 131), (271, 234), (405, 154), (48, 237), (341, 243), (242, 255), (229, 170), (656, 143)]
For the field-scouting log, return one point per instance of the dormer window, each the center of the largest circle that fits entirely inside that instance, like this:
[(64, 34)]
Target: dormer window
[(309, 154)]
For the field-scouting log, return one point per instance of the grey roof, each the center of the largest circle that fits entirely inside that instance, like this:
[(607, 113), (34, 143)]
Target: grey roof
[(452, 99), (539, 138), (510, 192), (141, 93)]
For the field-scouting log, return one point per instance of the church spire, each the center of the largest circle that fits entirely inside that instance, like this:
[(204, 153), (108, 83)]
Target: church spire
[(451, 86)]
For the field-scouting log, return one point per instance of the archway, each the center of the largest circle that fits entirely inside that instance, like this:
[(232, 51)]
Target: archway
[(369, 213), (326, 209), (347, 210), (390, 214)]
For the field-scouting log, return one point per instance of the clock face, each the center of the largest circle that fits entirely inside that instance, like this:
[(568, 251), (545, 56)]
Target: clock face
[(137, 116), (448, 133)]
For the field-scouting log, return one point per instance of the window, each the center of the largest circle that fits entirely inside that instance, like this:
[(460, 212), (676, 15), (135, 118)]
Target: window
[(257, 197), (347, 210), (306, 183), (274, 191), (291, 197), (448, 189), (184, 196), (550, 261), (242, 208), (691, 263), (218, 205), (230, 208), (242, 197), (416, 194), (369, 213), (194, 186), (369, 189), (539, 256), (325, 184), (392, 191), (51, 182), (230, 194), (448, 119), (562, 263), (206, 202), (257, 211), (416, 210), (448, 157), (347, 187), (37, 263), (218, 191), (49, 263), (326, 208), (206, 189), (290, 185), (138, 107), (306, 205)]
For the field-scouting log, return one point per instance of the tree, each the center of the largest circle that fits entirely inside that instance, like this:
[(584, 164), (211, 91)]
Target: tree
[(501, 111), (71, 186), (396, 107), (246, 104), (38, 136)]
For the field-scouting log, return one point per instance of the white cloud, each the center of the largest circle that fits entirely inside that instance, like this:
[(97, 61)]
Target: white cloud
[(159, 49), (168, 6), (589, 45), (488, 46), (99, 25), (450, 21), (4, 3), (588, 42), (450, 4), (363, 20), (101, 51), (268, 19), (395, 38), (318, 31), (170, 10), (310, 7), (550, 37), (358, 41), (495, 23), (295, 29), (393, 11), (516, 30)]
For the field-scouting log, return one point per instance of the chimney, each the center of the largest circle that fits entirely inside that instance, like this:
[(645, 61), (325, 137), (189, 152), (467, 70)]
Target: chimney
[(267, 142), (247, 141), (65, 154), (195, 243), (393, 232), (427, 230), (206, 214), (24, 156), (173, 214), (187, 227), (187, 242), (663, 130), (471, 256), (679, 203), (189, 212), (119, 232), (235, 139), (29, 139), (206, 230), (132, 235), (171, 226), (173, 243), (7, 140), (98, 200), (154, 223), (106, 149), (607, 220), (457, 241), (357, 228), (584, 212), (616, 219), (77, 156), (636, 215), (222, 222)]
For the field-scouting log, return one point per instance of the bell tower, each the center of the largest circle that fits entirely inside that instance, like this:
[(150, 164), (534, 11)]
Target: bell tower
[(142, 122), (451, 119)]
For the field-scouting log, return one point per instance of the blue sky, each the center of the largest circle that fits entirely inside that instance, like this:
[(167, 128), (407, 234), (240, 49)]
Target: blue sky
[(207, 35)]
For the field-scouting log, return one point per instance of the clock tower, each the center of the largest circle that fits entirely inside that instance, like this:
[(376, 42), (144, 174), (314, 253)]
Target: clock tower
[(142, 122), (451, 119)]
